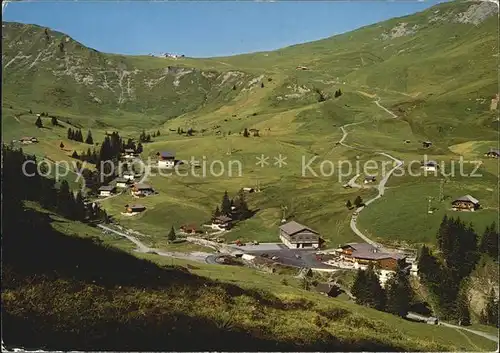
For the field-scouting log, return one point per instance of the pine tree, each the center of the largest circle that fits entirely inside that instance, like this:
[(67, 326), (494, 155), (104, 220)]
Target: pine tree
[(399, 293), (61, 145), (54, 121), (38, 122), (75, 155), (70, 134), (65, 200), (377, 296), (179, 130), (171, 235), (158, 133), (48, 194), (358, 201), (89, 140), (217, 213), (240, 205), (262, 85), (359, 288), (348, 204), (489, 241), (148, 138), (462, 306), (225, 205), (79, 207), (245, 133), (139, 148), (429, 269), (490, 312)]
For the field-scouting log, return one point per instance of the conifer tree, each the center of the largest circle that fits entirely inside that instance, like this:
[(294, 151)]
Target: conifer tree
[(348, 204), (38, 122), (359, 288), (61, 145), (462, 306), (54, 121), (79, 207), (75, 155), (139, 148), (245, 133), (358, 201), (171, 235), (158, 133), (65, 200), (489, 241), (70, 134), (225, 205), (489, 315), (399, 293), (216, 213), (89, 140)]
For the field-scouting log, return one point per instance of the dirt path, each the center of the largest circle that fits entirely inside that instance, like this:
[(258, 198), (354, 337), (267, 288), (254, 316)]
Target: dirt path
[(381, 186), (142, 248)]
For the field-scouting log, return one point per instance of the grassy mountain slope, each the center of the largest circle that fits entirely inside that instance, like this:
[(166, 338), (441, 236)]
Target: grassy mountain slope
[(124, 303)]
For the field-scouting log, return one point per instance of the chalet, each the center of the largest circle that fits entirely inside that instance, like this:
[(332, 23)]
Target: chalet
[(249, 190), (122, 182), (364, 254), (429, 166), (222, 222), (465, 203), (190, 229), (107, 190), (297, 236), (134, 208), (328, 289), (302, 68), (142, 190), (426, 144), (129, 176), (166, 159), (492, 153), (128, 153), (28, 140), (369, 179)]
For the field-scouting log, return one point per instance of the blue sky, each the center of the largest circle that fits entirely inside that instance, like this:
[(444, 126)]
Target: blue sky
[(204, 29)]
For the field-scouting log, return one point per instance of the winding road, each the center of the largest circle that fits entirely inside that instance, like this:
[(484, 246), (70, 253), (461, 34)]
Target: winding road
[(381, 186), (142, 248)]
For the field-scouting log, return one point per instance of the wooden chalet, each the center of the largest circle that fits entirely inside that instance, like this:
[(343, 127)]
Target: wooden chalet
[(493, 153), (366, 254), (465, 203), (166, 159), (28, 140), (426, 144), (142, 190), (107, 190), (134, 208), (369, 179), (222, 222), (297, 236)]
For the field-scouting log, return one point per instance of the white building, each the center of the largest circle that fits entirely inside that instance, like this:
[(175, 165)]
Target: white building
[(106, 190), (166, 159), (297, 236), (430, 166), (128, 176)]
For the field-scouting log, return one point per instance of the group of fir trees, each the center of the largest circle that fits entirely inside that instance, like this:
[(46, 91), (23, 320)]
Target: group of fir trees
[(29, 184), (447, 276), (395, 298), (76, 135), (236, 209), (358, 202), (338, 93), (143, 137)]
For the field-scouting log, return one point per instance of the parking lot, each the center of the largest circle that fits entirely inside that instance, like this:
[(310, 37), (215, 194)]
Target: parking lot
[(286, 256)]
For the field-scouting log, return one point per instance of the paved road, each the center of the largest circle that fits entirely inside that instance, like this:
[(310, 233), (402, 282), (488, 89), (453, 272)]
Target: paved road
[(489, 336), (289, 257)]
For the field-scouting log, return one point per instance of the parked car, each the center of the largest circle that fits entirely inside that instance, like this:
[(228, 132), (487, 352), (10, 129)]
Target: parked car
[(275, 258), (298, 256), (264, 255), (255, 243)]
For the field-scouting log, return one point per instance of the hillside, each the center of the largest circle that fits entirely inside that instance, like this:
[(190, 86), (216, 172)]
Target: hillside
[(370, 95)]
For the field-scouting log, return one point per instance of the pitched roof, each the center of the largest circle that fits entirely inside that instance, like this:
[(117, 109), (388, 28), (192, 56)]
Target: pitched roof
[(323, 288), (370, 177), (106, 188), (136, 207), (430, 163), (143, 186), (129, 150), (224, 218), (167, 154), (494, 150), (467, 198), (370, 252), (121, 180), (294, 227)]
